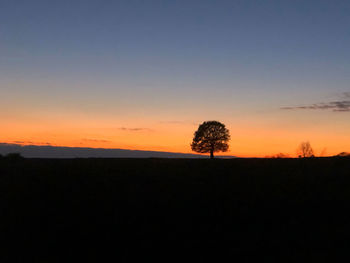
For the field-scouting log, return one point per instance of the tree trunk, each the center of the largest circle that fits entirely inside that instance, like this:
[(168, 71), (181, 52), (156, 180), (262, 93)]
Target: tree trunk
[(211, 154)]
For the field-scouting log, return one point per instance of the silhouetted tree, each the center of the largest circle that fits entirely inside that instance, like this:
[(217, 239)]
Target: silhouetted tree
[(305, 150), (211, 136)]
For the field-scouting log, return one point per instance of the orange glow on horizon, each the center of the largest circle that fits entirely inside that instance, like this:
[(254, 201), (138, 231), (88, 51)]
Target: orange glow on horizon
[(247, 140)]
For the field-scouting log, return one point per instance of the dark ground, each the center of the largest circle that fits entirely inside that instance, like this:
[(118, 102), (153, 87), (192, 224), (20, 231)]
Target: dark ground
[(175, 210)]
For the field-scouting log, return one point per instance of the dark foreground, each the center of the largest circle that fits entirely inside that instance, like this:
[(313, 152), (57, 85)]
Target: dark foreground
[(147, 210)]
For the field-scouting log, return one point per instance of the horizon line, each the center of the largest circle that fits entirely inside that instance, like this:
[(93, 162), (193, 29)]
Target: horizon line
[(102, 148)]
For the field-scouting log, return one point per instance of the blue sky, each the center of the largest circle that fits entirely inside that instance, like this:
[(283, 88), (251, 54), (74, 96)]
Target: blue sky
[(174, 60)]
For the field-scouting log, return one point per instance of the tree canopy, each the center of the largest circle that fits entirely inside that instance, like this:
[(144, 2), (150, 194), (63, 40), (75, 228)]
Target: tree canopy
[(211, 136)]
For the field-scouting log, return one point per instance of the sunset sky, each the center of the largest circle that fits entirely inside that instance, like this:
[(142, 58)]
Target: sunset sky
[(144, 74)]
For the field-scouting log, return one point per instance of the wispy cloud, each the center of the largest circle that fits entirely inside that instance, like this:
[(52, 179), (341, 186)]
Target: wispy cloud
[(178, 122), (22, 142), (134, 129), (30, 143), (335, 106)]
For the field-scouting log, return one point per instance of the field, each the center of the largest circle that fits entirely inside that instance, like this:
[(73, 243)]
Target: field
[(164, 210)]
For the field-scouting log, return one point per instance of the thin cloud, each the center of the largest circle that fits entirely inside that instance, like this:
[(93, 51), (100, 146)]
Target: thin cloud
[(22, 142), (30, 143), (171, 122), (335, 106), (178, 122), (134, 129)]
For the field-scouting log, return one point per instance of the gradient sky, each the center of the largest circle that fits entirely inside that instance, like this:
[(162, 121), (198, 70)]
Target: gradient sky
[(143, 74)]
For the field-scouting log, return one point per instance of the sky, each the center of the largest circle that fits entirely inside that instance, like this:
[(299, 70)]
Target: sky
[(144, 74)]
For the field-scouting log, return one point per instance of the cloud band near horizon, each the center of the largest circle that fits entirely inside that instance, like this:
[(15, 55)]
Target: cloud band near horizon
[(335, 106)]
